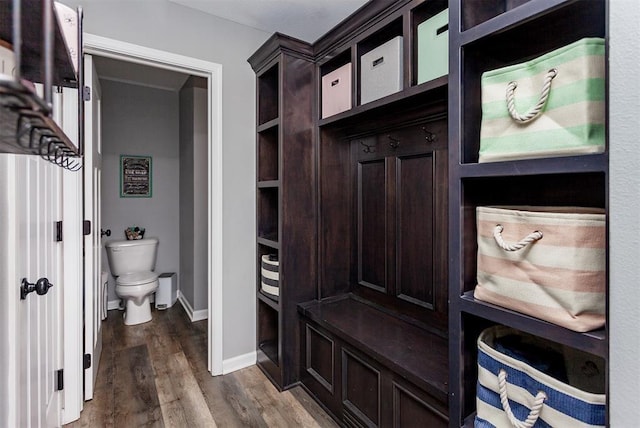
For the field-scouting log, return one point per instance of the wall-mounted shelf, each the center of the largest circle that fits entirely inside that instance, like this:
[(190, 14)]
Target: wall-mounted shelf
[(41, 55)]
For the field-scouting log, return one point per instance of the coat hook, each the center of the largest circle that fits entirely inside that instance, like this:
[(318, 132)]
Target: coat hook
[(429, 136), (393, 142), (368, 148)]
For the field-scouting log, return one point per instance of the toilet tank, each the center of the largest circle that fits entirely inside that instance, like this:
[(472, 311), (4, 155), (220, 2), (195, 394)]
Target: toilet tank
[(132, 256)]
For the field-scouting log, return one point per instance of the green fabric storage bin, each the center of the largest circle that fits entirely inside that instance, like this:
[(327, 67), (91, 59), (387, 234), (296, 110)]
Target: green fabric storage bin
[(553, 105), (433, 47)]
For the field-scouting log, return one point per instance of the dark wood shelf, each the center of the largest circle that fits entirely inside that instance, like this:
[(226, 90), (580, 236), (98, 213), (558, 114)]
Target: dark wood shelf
[(31, 55), (414, 353), (19, 101), (593, 342), (436, 88), (558, 165), (268, 184), (268, 366), (267, 126), (273, 304), (511, 18), (268, 242)]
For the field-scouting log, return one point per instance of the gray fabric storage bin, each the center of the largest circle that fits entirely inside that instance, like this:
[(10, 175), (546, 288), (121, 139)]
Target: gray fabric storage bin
[(381, 71)]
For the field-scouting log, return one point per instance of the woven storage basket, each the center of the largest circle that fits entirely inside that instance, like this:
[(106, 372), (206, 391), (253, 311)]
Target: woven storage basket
[(553, 105), (524, 382), (270, 276), (547, 262)]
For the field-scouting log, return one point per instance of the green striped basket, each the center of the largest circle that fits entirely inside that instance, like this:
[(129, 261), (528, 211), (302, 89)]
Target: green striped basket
[(553, 105)]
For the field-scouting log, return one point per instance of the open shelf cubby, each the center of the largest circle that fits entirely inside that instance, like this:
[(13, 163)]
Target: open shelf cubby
[(268, 94), (268, 155), (268, 213)]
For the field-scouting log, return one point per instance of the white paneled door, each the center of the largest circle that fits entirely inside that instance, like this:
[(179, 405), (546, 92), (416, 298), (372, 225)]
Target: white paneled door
[(93, 297), (30, 193)]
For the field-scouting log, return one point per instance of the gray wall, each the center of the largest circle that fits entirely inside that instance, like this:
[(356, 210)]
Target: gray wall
[(624, 221), (193, 193), (138, 120), (162, 25)]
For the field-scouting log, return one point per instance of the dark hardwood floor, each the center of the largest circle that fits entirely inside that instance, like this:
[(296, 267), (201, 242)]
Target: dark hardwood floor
[(155, 374)]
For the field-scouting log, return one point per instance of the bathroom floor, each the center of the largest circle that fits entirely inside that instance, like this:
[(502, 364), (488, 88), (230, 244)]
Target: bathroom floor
[(155, 374)]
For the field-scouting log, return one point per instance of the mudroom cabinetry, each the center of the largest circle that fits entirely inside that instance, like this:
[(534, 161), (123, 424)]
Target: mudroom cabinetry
[(485, 36), (285, 199), (387, 335)]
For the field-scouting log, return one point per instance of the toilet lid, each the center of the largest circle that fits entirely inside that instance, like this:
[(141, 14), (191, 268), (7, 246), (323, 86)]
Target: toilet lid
[(137, 278)]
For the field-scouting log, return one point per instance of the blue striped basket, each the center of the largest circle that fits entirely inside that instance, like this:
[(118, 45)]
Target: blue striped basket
[(526, 382)]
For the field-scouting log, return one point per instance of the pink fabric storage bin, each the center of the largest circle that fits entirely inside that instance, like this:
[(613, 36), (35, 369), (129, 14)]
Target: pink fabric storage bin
[(336, 91)]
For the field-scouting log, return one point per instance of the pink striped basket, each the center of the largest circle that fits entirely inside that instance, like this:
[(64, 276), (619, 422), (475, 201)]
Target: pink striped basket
[(547, 262)]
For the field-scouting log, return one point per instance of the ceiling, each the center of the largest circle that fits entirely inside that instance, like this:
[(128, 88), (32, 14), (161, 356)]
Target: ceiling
[(137, 74), (304, 19), (307, 20)]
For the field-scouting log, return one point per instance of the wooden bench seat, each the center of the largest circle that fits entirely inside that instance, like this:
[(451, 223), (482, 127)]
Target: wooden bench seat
[(348, 327)]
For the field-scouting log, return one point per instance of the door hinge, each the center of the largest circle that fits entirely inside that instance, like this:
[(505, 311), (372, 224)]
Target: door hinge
[(86, 227), (58, 231), (60, 380), (87, 361), (86, 93)]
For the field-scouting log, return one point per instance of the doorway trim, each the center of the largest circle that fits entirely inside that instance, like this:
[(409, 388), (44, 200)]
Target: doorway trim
[(116, 49)]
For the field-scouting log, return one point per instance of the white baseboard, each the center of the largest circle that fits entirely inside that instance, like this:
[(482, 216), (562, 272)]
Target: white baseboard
[(239, 362), (113, 304), (194, 316)]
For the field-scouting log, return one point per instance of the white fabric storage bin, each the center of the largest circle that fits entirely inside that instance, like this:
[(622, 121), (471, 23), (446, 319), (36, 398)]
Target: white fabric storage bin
[(336, 91), (381, 71)]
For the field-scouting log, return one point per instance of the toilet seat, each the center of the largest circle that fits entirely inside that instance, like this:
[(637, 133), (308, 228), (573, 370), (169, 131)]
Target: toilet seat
[(137, 278)]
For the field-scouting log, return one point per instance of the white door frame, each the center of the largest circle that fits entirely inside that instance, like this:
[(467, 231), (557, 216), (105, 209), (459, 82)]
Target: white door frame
[(116, 49)]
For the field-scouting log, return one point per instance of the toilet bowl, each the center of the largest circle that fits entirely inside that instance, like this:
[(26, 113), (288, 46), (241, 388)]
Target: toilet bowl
[(132, 264), (135, 289)]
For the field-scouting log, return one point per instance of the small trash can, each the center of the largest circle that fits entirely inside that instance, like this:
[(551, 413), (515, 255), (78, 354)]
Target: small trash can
[(167, 293)]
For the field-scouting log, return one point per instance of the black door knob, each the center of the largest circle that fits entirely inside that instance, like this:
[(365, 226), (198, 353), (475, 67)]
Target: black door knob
[(41, 287), (105, 232)]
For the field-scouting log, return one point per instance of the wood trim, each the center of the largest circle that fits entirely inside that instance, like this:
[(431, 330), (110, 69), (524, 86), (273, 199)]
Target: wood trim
[(396, 389), (328, 384), (348, 405), (276, 44), (239, 362)]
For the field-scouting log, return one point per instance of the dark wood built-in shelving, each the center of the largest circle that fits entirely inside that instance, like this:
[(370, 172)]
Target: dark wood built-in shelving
[(386, 327), (488, 35)]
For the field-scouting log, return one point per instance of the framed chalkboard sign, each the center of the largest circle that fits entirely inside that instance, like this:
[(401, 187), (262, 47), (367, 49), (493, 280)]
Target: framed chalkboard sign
[(135, 176)]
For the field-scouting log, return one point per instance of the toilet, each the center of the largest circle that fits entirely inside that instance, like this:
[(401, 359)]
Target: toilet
[(132, 263)]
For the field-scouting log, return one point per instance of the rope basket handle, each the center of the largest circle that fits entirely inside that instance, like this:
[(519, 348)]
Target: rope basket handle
[(535, 111), (534, 414), (532, 237)]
